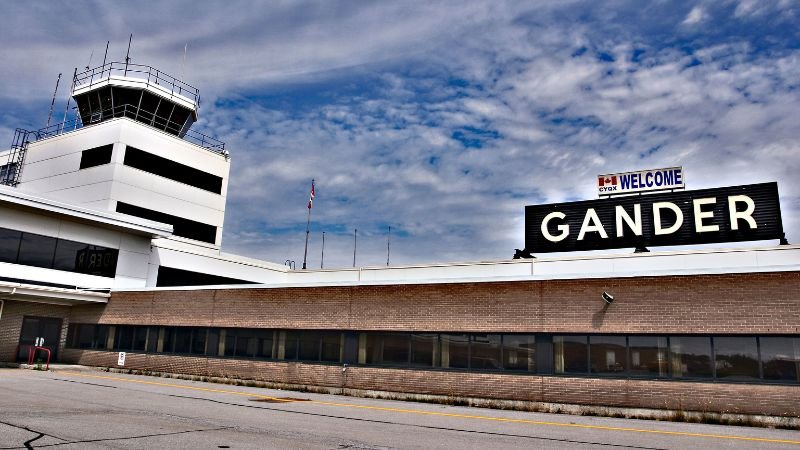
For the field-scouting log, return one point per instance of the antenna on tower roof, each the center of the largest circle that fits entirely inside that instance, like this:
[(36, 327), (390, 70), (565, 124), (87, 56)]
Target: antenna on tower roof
[(89, 64), (52, 103), (183, 67), (106, 55), (128, 55), (69, 97)]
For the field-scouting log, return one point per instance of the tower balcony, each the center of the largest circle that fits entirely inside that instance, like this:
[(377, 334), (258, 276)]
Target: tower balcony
[(143, 93)]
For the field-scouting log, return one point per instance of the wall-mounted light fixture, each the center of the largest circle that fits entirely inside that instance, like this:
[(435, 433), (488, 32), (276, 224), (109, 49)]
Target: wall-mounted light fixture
[(608, 298)]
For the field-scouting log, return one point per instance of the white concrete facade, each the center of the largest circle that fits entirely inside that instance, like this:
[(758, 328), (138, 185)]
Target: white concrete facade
[(52, 169)]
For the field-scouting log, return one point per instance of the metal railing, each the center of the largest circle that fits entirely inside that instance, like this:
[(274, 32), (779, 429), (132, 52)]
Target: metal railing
[(150, 74), (138, 114)]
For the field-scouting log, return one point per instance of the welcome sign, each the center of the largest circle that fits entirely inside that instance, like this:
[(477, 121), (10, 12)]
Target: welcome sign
[(641, 181), (729, 214)]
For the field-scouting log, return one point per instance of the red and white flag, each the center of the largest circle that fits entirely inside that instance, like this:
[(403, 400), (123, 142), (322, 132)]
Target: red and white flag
[(603, 180), (311, 197)]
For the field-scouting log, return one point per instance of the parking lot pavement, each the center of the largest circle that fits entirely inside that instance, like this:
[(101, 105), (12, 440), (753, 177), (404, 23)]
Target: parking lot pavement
[(92, 409)]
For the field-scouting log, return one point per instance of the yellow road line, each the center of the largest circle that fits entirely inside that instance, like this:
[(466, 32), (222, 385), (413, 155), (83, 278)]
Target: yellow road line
[(443, 414)]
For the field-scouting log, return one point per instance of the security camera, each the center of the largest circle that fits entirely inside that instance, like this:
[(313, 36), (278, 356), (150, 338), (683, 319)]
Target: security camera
[(608, 298)]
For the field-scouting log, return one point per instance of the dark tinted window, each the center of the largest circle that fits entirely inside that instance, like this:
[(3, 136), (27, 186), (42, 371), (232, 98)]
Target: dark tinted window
[(485, 351), (519, 352), (84, 258), (139, 338), (152, 339), (52, 253), (168, 276), (570, 354), (181, 340), (455, 350), (330, 349), (423, 349), (123, 340), (9, 245), (691, 356), (166, 168), (736, 357), (240, 342), (96, 156), (309, 346), (212, 346), (181, 227), (608, 354), (37, 250), (264, 343), (649, 355), (780, 357), (290, 345), (85, 336)]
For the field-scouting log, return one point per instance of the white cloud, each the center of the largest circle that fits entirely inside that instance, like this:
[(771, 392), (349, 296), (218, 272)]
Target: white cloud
[(695, 16)]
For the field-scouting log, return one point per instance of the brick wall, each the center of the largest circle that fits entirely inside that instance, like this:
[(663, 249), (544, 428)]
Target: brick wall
[(690, 396), (734, 303), (761, 303)]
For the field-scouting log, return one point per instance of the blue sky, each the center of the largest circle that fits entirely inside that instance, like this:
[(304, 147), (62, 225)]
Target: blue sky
[(441, 119)]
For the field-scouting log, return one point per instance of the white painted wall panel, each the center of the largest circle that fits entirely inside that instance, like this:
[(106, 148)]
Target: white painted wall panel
[(79, 195), (132, 265), (74, 141), (87, 234), (85, 177), (51, 167), (169, 188), (16, 219), (54, 276), (135, 244), (166, 204)]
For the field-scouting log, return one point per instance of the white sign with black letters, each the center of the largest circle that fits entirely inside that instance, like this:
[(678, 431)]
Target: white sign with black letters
[(121, 359)]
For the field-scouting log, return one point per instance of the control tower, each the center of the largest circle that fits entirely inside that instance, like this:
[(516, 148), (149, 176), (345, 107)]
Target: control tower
[(129, 149)]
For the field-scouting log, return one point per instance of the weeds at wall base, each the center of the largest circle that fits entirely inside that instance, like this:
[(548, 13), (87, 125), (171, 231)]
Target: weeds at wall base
[(674, 414)]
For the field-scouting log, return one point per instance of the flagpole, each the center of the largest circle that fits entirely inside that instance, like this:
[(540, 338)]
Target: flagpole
[(308, 223), (322, 259)]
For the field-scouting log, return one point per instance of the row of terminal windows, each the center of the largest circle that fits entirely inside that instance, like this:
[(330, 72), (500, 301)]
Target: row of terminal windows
[(29, 249), (729, 358), (157, 165)]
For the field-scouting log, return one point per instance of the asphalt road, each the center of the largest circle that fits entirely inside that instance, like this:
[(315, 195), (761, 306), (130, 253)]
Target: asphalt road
[(90, 410)]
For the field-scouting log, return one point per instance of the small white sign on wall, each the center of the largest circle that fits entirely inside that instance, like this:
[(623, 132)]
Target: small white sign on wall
[(121, 359)]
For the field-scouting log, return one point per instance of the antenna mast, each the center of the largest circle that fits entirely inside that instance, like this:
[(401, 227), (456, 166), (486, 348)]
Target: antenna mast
[(69, 97), (106, 55), (52, 103), (322, 259), (128, 55), (355, 245), (388, 241)]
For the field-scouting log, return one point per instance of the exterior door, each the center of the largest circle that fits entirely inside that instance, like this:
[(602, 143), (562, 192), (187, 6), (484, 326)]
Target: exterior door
[(48, 328)]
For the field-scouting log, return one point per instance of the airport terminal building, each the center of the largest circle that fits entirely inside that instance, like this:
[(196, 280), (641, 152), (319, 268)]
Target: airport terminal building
[(110, 233)]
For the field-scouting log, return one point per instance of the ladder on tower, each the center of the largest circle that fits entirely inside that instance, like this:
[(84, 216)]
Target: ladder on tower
[(11, 172)]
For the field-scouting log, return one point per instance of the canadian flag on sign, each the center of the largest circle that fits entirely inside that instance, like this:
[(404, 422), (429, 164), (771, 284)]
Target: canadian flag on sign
[(602, 181)]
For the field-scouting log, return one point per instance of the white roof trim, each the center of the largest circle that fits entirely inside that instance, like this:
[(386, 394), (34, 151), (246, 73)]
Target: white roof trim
[(138, 83), (108, 218), (46, 294), (784, 258)]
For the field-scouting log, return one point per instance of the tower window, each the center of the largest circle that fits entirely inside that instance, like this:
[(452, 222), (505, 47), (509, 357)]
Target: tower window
[(96, 156)]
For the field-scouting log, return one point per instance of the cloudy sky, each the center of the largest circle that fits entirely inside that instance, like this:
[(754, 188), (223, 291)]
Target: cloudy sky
[(440, 119)]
